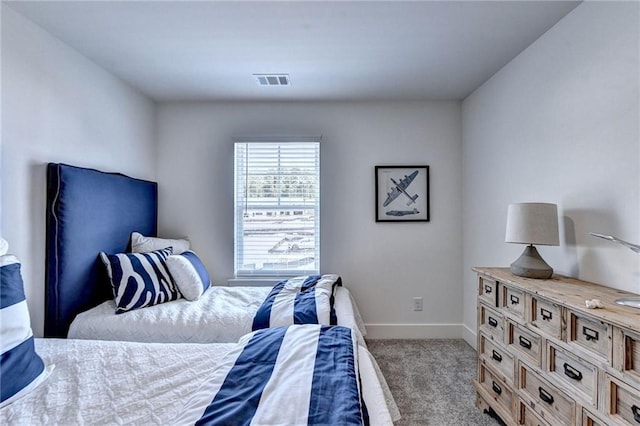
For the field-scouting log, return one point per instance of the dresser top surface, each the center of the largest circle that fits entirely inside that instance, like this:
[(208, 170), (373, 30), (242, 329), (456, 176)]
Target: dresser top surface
[(572, 293)]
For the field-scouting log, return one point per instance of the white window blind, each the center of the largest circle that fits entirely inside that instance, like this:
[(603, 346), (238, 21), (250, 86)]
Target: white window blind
[(277, 208)]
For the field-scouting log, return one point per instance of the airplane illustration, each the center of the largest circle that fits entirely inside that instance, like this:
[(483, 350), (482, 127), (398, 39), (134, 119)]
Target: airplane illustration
[(402, 212), (400, 188)]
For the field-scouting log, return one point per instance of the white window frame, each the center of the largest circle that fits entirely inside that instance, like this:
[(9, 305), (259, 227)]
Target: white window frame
[(241, 203)]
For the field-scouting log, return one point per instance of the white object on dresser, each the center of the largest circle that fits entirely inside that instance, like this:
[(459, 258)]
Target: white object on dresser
[(545, 359)]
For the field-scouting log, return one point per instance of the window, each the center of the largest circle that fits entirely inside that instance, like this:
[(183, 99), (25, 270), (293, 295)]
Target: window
[(277, 208)]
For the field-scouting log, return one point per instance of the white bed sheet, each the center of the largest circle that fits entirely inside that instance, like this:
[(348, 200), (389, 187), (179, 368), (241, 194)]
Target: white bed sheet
[(99, 383), (105, 383), (221, 315)]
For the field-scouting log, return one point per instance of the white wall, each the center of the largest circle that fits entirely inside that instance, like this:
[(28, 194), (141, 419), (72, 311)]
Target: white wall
[(384, 264), (57, 106), (560, 123)]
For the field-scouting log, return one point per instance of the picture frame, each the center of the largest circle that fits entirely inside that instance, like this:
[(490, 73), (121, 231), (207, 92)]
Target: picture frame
[(402, 194)]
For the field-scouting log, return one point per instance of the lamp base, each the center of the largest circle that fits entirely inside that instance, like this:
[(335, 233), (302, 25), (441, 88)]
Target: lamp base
[(531, 265)]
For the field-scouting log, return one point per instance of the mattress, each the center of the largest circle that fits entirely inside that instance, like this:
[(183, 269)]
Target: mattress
[(102, 382), (220, 315)]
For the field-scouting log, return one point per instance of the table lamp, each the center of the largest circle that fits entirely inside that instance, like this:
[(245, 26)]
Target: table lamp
[(532, 223)]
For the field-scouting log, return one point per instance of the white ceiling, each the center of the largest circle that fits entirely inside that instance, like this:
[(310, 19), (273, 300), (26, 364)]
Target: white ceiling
[(340, 50)]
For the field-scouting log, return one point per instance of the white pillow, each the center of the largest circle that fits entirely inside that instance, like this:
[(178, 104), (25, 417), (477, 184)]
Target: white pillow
[(189, 274), (142, 244), (4, 246)]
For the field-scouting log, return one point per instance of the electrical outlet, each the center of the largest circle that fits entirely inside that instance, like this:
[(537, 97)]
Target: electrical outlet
[(417, 303)]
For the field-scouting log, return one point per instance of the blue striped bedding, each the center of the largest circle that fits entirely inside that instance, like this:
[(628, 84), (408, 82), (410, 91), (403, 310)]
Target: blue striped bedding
[(21, 368), (296, 375), (302, 300)]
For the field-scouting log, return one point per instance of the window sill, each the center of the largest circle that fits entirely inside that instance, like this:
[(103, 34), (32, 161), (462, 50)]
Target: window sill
[(253, 281)]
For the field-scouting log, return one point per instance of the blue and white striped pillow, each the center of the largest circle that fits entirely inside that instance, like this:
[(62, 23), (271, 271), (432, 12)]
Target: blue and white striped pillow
[(140, 279), (21, 368), (189, 274)]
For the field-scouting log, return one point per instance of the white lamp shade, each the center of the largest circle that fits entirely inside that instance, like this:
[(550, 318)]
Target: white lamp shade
[(532, 223)]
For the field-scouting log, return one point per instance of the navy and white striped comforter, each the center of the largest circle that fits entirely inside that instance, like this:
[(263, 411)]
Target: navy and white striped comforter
[(296, 375), (302, 300)]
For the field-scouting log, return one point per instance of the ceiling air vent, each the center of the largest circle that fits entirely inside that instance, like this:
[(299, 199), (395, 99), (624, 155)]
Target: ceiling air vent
[(272, 79)]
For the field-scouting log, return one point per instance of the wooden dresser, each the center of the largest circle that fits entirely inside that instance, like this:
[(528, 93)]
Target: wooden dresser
[(545, 359)]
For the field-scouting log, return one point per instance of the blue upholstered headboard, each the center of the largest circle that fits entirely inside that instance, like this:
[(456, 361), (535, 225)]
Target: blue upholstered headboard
[(88, 211)]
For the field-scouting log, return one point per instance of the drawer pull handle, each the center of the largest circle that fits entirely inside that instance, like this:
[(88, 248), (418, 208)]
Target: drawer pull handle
[(495, 355), (636, 413), (496, 388), (545, 396), (572, 373), (525, 343), (515, 300), (492, 322), (488, 289), (546, 315), (590, 334)]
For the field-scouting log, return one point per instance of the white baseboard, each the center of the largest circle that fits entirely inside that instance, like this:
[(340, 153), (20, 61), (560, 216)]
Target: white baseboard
[(414, 331), (470, 336)]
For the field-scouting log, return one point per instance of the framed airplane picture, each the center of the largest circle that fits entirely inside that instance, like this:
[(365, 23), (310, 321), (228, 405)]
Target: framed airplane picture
[(402, 193)]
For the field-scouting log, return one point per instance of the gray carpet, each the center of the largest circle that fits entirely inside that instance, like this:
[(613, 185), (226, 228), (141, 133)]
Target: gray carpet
[(431, 381)]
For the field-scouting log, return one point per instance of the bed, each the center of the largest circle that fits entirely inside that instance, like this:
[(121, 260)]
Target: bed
[(89, 212), (224, 314), (101, 382)]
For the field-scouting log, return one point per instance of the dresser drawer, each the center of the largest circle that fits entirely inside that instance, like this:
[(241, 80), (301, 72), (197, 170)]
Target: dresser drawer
[(488, 291), (546, 316), (577, 373), (513, 301), (497, 358), (524, 341), (623, 401), (496, 388), (528, 417), (548, 401), (491, 322), (590, 419), (590, 334), (626, 353)]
